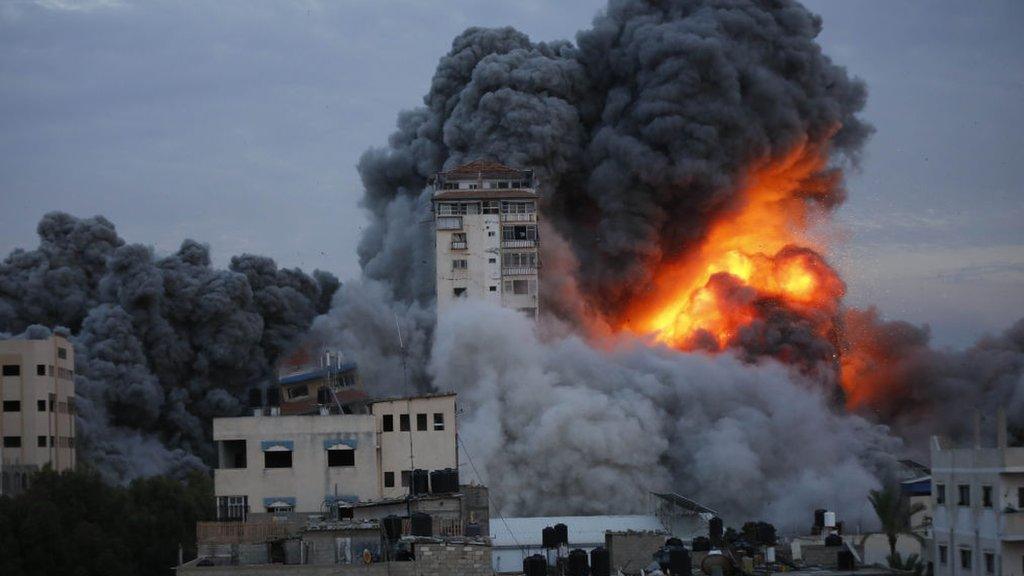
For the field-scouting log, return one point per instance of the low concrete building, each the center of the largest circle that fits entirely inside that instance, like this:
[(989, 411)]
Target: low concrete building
[(303, 464), (37, 420), (513, 539), (978, 506)]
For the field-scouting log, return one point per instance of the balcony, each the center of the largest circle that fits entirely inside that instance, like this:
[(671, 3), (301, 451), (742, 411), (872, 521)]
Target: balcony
[(519, 217), (1011, 526), (449, 222), (518, 243), (459, 245), (519, 271), (236, 532)]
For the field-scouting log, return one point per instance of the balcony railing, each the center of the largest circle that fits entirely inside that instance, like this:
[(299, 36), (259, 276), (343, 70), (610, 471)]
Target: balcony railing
[(519, 217), (449, 222), (1012, 525), (441, 526), (459, 245), (243, 532), (518, 243), (519, 271)]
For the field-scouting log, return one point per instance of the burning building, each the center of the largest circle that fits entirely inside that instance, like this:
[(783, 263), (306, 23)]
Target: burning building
[(487, 241)]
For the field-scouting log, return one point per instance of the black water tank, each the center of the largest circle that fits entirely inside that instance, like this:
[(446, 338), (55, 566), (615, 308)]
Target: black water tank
[(577, 562), (715, 530), (833, 540), (438, 482), (701, 544), (673, 542), (535, 565), (845, 560), (255, 398), (273, 397), (679, 561), (819, 517), (421, 524), (420, 482), (548, 539), (453, 479), (322, 396), (600, 562), (561, 534), (473, 530), (392, 527)]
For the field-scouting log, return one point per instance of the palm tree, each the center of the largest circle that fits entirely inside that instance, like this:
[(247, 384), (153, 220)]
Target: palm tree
[(894, 511)]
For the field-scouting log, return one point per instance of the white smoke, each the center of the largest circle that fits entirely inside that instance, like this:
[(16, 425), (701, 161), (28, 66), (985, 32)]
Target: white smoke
[(556, 425)]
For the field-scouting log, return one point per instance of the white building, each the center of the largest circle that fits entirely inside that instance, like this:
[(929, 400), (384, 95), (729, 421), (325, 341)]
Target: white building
[(486, 236), (37, 388), (978, 507), (300, 463)]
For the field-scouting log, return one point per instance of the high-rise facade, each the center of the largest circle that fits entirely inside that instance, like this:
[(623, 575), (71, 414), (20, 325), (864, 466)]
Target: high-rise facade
[(37, 420), (487, 238)]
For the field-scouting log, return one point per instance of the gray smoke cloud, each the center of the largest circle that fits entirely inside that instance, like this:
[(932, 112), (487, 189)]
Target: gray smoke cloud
[(554, 425), (162, 344), (921, 391)]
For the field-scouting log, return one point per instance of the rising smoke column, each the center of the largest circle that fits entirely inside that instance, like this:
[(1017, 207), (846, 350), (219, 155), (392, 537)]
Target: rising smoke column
[(162, 343), (644, 134)]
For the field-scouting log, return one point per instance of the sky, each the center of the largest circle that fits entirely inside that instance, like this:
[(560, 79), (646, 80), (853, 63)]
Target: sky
[(239, 124)]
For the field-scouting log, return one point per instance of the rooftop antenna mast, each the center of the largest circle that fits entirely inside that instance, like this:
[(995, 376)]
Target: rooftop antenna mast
[(401, 347)]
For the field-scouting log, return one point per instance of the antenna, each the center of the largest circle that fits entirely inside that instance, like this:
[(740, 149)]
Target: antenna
[(401, 347)]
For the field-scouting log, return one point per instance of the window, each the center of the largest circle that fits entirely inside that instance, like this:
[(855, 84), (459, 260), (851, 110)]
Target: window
[(492, 260), (12, 370), (519, 260), (460, 264), (406, 478), (458, 292), (40, 441), (438, 421), (389, 423), (990, 563), (41, 405), (518, 207), (449, 223), (493, 288), (403, 422), (297, 392), (52, 401), (40, 369), (940, 493), (232, 507), (62, 353), (12, 405), (281, 510), (12, 441), (510, 233), (421, 422), (943, 554), (519, 286), (491, 207), (964, 498), (389, 479), (491, 233), (986, 496), (1020, 498), (459, 237), (965, 558), (277, 459), (341, 458), (232, 454)]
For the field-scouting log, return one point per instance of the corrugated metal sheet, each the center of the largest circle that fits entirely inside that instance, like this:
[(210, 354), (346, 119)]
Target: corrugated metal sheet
[(583, 530)]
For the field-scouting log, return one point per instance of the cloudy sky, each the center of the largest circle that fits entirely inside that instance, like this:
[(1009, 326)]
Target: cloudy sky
[(239, 124)]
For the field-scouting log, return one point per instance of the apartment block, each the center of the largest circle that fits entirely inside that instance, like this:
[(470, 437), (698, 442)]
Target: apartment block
[(285, 464), (978, 507), (487, 236), (37, 420)]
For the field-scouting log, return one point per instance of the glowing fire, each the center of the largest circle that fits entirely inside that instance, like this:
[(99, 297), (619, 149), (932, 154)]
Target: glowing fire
[(758, 250)]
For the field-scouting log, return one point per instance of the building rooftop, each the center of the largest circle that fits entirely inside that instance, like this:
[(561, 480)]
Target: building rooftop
[(417, 397), (483, 169), (485, 193), (515, 532)]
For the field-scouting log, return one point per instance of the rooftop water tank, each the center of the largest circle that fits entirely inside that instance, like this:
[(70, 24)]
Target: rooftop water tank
[(600, 562)]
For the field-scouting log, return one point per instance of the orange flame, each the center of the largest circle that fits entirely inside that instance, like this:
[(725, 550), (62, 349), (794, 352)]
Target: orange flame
[(758, 249)]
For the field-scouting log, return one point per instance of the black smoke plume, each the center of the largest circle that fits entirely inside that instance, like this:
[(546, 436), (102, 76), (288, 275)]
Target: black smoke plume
[(162, 343)]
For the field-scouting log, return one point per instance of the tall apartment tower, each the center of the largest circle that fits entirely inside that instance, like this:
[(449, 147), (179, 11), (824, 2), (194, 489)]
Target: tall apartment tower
[(486, 236), (37, 388)]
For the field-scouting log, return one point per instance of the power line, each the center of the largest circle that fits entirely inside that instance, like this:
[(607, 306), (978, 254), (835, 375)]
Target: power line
[(489, 502)]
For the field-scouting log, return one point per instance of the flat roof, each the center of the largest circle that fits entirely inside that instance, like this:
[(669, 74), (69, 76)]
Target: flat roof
[(478, 168), (485, 194), (421, 396), (528, 532)]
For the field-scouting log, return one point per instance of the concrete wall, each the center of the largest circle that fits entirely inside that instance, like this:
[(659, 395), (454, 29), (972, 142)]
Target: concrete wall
[(54, 426), (309, 481), (432, 449), (431, 560), (876, 548), (632, 551)]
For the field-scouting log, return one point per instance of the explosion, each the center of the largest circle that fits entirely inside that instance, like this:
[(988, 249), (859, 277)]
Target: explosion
[(757, 252)]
